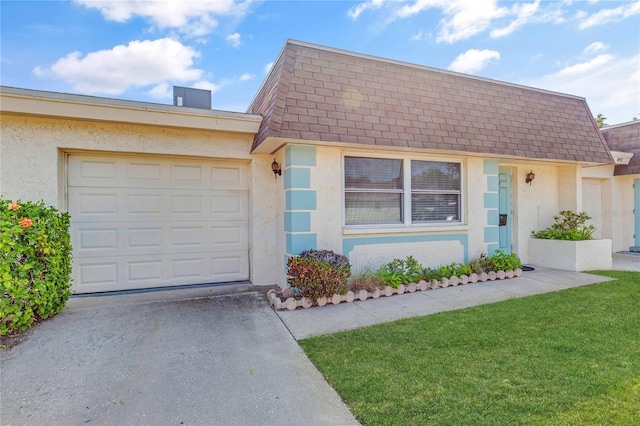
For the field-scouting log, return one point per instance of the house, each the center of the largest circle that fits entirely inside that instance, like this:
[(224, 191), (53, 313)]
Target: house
[(379, 159), (612, 192)]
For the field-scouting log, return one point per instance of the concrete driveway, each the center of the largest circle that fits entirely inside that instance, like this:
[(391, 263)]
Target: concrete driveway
[(180, 357)]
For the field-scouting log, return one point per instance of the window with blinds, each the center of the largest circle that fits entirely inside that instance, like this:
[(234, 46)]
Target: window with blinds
[(376, 191), (435, 191)]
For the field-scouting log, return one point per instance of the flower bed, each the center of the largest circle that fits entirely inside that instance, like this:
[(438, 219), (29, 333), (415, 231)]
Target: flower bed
[(279, 302)]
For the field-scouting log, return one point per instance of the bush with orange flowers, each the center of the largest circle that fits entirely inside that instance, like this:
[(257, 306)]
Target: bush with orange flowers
[(35, 264)]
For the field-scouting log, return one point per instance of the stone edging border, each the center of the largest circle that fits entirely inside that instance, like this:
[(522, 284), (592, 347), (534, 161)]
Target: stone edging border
[(292, 304)]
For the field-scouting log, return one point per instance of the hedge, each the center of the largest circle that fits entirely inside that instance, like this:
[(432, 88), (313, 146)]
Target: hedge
[(35, 263)]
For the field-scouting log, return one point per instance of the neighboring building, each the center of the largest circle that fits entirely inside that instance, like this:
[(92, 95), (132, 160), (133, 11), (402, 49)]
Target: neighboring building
[(380, 159), (620, 190)]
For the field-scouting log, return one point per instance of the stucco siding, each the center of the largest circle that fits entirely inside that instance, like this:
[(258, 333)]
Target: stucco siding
[(327, 179), (33, 154), (621, 213), (533, 207), (31, 146)]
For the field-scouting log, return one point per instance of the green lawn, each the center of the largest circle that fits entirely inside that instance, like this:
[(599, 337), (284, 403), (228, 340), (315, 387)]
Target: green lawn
[(570, 357)]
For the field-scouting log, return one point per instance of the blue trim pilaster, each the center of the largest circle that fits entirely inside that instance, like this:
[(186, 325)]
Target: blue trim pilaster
[(491, 203), (300, 199)]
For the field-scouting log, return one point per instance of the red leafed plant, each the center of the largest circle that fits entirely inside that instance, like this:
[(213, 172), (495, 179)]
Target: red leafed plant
[(318, 273)]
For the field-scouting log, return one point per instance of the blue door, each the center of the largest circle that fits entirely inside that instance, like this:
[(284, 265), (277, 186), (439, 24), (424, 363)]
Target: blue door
[(636, 211), (504, 209)]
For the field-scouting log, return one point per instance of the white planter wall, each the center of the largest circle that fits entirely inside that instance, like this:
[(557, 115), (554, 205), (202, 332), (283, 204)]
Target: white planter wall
[(590, 255)]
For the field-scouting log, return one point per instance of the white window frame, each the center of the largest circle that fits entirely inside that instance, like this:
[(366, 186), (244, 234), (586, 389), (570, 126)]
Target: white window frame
[(407, 225)]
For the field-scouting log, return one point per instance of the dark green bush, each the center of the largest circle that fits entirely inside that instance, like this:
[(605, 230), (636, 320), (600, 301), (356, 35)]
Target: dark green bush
[(568, 225), (318, 273), (35, 263)]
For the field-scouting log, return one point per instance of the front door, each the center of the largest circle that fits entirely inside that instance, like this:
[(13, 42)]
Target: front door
[(504, 209), (636, 211)]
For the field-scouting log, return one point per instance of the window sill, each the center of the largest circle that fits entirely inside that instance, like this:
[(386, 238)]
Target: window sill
[(403, 229)]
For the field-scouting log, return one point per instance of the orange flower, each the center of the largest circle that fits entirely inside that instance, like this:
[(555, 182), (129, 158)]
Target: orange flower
[(13, 206), (25, 223)]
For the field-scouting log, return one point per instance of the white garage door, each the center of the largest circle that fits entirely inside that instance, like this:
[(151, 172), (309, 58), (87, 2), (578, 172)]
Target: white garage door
[(140, 222)]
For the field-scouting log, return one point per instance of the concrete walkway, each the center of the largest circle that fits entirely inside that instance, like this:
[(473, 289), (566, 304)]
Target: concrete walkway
[(626, 261), (180, 357), (303, 323)]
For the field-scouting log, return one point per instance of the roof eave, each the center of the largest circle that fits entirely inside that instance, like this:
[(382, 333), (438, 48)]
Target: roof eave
[(79, 107)]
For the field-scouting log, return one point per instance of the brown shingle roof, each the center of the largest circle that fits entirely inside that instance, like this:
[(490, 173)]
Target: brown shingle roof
[(625, 138), (323, 94)]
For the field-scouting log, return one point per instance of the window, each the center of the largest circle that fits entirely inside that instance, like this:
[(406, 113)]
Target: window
[(435, 191), (378, 191), (373, 191)]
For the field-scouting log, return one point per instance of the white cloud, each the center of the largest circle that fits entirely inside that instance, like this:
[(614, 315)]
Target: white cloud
[(473, 60), (524, 15), (356, 11), (234, 39), (605, 16), (137, 64), (161, 91), (246, 77), (585, 67), (462, 19), (581, 14), (191, 17), (594, 47), (207, 85), (610, 84), (267, 67), (417, 36)]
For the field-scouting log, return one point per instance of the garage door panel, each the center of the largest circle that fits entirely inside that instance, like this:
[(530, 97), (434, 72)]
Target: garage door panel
[(135, 272), (96, 239), (137, 238), (134, 238), (161, 173), (97, 273), (105, 204), (140, 222)]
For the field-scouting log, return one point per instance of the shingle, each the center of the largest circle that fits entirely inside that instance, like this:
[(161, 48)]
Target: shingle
[(400, 101), (625, 138)]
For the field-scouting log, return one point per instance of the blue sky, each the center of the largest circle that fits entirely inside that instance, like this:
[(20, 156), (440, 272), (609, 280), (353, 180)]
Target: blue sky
[(135, 50)]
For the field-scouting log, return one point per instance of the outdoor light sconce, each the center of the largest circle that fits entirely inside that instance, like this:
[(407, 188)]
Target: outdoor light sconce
[(275, 167), (530, 177)]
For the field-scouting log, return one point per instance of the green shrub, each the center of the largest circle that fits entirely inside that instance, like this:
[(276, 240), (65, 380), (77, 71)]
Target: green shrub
[(400, 271), (35, 263), (463, 269), (568, 226), (447, 271), (501, 261), (318, 273)]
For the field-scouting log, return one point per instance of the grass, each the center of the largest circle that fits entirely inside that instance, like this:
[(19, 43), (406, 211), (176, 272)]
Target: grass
[(570, 357)]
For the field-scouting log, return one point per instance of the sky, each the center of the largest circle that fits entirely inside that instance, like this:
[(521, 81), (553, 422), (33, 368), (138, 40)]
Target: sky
[(139, 50)]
